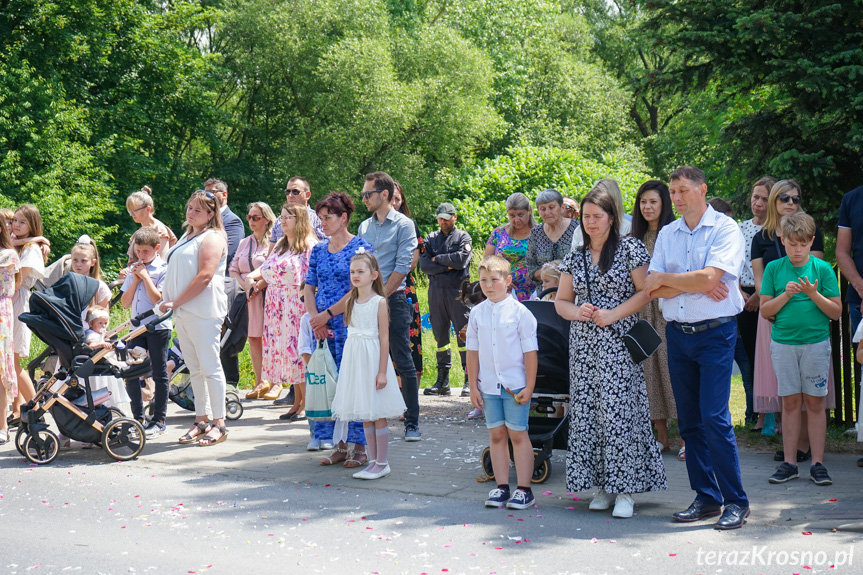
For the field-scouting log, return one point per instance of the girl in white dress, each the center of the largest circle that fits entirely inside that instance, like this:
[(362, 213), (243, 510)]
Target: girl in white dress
[(367, 388)]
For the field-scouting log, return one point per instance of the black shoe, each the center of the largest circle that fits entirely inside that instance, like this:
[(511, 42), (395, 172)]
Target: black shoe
[(287, 400), (697, 511), (289, 416), (733, 517), (465, 391), (801, 457), (437, 390), (785, 472), (818, 475), (860, 462)]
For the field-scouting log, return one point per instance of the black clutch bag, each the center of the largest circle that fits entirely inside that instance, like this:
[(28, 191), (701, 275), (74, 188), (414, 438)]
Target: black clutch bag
[(641, 341)]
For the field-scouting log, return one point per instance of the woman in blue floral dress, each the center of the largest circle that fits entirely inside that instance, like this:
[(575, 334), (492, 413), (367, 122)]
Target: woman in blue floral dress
[(327, 284)]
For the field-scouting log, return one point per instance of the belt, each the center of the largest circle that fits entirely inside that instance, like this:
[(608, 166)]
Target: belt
[(700, 326)]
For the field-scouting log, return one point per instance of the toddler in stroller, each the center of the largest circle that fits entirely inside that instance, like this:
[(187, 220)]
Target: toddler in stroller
[(67, 394)]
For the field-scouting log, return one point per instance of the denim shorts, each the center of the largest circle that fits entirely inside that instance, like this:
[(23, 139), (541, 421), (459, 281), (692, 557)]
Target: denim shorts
[(501, 409), (801, 368)]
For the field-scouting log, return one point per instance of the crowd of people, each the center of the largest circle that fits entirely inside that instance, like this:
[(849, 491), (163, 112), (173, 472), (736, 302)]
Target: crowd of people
[(758, 293)]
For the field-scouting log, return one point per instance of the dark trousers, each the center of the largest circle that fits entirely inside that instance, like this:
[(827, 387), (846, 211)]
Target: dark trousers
[(156, 343), (231, 367), (446, 309), (700, 368), (400, 352), (747, 329)]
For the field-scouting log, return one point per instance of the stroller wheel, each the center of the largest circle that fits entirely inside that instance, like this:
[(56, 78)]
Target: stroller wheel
[(123, 439), (233, 410), (232, 395), (541, 470), (20, 436), (41, 448), (116, 413), (486, 463)]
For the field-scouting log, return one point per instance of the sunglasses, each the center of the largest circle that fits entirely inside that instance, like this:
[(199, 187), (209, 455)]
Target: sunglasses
[(568, 207), (208, 195), (367, 195), (293, 192), (785, 198), (254, 218)]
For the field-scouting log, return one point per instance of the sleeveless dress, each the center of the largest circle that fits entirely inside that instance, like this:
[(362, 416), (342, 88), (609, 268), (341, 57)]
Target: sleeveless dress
[(8, 267), (356, 397), (182, 268)]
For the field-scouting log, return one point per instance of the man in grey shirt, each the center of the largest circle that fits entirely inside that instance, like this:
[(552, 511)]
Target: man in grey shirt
[(393, 236)]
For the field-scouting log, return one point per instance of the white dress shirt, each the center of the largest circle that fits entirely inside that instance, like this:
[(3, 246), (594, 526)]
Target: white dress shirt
[(715, 242), (502, 333)]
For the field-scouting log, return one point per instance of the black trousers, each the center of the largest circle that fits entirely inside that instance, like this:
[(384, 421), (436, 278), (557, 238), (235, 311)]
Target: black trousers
[(747, 328), (446, 309), (156, 343)]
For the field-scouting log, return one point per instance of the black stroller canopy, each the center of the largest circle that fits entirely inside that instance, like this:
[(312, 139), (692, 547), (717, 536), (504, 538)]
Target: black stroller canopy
[(57, 310)]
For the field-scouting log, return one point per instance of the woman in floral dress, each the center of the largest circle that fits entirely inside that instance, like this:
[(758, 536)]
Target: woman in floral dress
[(611, 445), (510, 241), (282, 274), (8, 379)]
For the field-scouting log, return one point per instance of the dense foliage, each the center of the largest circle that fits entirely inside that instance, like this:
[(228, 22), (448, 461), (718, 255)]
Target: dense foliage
[(466, 100)]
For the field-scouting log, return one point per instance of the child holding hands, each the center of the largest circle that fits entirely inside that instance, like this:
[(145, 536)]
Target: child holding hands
[(367, 389), (501, 368), (802, 293), (142, 290)]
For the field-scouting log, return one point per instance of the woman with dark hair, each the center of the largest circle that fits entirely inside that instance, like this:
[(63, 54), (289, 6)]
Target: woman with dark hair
[(610, 442), (328, 283), (400, 203), (653, 212)]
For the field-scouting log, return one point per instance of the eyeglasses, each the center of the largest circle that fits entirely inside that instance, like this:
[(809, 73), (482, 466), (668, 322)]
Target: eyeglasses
[(785, 198), (136, 210), (367, 195), (293, 192), (285, 218), (255, 219)]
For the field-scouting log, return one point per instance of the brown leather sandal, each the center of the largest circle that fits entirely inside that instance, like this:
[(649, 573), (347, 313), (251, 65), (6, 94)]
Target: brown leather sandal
[(207, 440), (355, 459)]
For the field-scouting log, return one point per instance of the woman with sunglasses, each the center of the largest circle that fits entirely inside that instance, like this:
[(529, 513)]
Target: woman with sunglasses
[(249, 256), (785, 198), (194, 289)]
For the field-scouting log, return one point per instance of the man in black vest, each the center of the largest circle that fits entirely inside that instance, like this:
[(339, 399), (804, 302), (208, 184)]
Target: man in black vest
[(446, 261)]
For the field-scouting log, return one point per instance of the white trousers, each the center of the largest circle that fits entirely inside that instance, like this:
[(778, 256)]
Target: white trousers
[(199, 342)]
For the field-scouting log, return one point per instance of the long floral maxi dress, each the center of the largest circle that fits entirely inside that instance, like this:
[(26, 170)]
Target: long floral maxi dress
[(282, 362), (514, 251), (656, 375), (416, 319), (610, 441), (8, 267)]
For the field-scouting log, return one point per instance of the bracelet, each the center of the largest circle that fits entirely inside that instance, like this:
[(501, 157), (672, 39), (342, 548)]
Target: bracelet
[(329, 312)]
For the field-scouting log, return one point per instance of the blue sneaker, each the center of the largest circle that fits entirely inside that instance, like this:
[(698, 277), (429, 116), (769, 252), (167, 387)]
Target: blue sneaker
[(412, 433), (497, 498), (521, 500)]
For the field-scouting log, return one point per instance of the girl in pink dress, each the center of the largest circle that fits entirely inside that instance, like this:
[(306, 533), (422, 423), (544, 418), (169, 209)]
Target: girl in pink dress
[(8, 379), (282, 274)]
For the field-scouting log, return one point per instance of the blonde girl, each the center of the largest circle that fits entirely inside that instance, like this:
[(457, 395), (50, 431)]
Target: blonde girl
[(27, 226), (549, 273), (368, 389), (8, 378), (141, 208)]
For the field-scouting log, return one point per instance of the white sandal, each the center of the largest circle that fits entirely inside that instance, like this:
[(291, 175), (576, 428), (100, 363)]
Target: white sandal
[(4, 436)]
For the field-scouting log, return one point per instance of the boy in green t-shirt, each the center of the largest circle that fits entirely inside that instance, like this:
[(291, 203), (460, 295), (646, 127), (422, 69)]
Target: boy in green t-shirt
[(802, 294)]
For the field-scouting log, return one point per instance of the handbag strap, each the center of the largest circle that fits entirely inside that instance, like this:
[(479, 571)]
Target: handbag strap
[(585, 251)]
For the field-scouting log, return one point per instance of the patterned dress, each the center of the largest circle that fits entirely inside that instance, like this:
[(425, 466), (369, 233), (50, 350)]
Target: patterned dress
[(8, 267), (416, 321), (611, 444), (282, 362), (541, 250), (659, 394), (515, 251), (330, 274)]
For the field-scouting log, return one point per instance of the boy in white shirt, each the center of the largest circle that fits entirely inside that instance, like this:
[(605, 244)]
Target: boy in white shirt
[(501, 369)]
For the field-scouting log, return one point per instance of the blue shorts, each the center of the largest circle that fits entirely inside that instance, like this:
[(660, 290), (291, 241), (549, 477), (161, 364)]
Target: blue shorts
[(501, 409)]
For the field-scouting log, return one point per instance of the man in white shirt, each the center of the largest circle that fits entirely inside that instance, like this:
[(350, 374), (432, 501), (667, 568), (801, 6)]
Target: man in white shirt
[(696, 268)]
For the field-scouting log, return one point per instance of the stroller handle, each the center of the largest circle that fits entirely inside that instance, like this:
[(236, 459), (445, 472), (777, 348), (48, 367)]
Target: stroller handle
[(136, 321), (152, 325)]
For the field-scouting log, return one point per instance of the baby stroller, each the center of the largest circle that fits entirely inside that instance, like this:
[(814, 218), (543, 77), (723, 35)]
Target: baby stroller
[(548, 422), (233, 341), (55, 318)]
